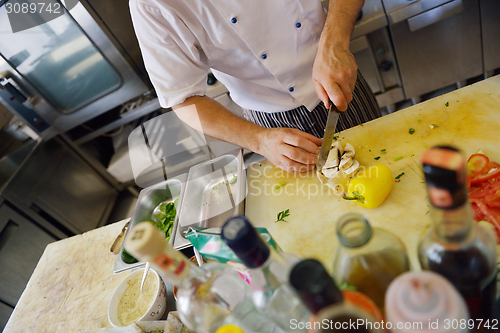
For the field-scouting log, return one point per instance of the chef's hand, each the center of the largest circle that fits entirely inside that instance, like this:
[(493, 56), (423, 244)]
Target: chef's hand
[(334, 74), (290, 149)]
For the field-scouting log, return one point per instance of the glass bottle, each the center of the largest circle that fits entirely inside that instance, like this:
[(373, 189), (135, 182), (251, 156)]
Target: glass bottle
[(425, 302), (208, 297), (455, 246), (368, 258), (271, 292), (331, 309)]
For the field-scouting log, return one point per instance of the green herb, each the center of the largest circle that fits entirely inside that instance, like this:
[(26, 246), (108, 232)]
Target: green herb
[(447, 104), (355, 196), (165, 217), (345, 286), (277, 186), (411, 130), (282, 215), (377, 158), (419, 121), (400, 175), (370, 150), (383, 151), (335, 137), (233, 180), (398, 158)]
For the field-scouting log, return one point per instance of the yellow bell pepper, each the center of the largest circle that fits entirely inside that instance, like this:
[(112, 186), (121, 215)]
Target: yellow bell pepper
[(370, 187)]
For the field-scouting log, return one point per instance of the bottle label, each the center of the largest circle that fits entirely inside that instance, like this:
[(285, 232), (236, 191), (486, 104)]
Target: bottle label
[(172, 265)]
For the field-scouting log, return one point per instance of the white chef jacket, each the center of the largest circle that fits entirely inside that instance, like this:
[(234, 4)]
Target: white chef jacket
[(261, 50)]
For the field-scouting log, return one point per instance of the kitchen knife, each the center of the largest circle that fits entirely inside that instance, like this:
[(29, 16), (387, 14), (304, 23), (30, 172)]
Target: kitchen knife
[(331, 124)]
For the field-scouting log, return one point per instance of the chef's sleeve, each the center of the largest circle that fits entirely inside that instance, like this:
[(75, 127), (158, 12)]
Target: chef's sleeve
[(171, 56)]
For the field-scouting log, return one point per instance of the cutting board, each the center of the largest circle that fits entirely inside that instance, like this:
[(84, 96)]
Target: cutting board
[(467, 118)]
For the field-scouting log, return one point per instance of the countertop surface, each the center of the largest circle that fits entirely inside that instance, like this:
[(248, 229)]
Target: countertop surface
[(71, 286), (73, 282), (467, 118)]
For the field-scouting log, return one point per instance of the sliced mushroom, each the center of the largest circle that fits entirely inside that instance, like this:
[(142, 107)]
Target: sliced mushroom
[(348, 150), (353, 169), (345, 163), (331, 172)]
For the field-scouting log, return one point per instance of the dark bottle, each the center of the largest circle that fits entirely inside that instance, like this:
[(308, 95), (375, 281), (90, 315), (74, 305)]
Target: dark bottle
[(455, 246), (331, 308)]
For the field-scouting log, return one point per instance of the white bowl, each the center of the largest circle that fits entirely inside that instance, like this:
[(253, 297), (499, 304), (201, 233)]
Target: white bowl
[(158, 304)]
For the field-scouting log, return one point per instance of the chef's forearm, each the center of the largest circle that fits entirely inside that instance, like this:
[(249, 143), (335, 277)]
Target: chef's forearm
[(211, 118), (340, 21)]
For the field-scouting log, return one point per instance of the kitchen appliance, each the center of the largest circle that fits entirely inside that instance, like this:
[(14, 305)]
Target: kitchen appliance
[(437, 42), (21, 245), (64, 72), (490, 32), (372, 48)]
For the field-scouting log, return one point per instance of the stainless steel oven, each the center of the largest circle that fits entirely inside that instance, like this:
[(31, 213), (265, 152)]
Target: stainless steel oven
[(64, 72), (437, 42), (372, 48)]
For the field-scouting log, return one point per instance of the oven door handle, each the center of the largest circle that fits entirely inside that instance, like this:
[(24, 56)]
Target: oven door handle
[(435, 15), (13, 90), (412, 9)]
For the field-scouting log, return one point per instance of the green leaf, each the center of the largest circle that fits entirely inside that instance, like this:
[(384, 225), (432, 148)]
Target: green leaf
[(398, 158), (160, 216), (400, 175), (377, 158), (282, 215), (411, 131)]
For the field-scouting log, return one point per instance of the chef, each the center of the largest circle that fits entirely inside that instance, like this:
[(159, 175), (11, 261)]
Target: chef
[(281, 61)]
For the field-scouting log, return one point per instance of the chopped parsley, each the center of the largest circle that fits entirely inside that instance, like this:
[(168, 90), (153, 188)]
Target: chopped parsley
[(377, 158), (411, 130), (282, 215), (277, 186), (400, 175), (447, 104), (398, 158)]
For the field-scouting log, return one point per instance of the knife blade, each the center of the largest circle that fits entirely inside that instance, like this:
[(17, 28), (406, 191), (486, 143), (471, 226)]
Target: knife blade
[(331, 124)]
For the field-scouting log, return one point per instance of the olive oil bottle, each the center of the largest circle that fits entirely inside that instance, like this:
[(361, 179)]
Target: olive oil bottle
[(368, 258)]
